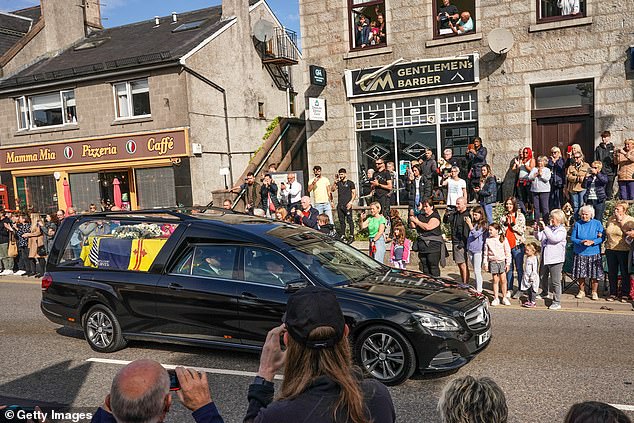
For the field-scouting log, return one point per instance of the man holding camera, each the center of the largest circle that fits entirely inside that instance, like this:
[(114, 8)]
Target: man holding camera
[(141, 392), (447, 14), (346, 194), (320, 186)]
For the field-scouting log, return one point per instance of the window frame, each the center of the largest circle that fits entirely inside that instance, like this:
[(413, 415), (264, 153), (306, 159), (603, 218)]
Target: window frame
[(242, 267), (26, 101), (129, 100), (351, 25), (436, 27), (583, 13)]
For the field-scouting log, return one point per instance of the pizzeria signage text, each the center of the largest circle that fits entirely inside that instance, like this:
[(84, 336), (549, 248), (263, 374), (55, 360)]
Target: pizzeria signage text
[(413, 76), (135, 147)]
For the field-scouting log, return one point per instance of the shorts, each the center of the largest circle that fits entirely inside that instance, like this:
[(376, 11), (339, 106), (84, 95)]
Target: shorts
[(497, 267), (459, 254)]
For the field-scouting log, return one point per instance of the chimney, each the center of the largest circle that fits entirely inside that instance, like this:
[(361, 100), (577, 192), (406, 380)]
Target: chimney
[(239, 9), (68, 21), (92, 15)]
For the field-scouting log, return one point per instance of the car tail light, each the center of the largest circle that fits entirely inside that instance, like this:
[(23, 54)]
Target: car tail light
[(47, 281)]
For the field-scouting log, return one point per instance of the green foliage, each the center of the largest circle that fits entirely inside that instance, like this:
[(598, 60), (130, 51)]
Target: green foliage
[(269, 129)]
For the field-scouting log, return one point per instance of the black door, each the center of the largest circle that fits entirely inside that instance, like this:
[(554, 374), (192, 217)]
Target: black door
[(262, 296), (197, 298)]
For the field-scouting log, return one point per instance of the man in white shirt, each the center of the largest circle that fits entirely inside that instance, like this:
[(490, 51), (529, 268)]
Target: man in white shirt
[(293, 191), (456, 187), (320, 187)]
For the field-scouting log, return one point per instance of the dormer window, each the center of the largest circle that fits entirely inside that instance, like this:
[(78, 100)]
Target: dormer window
[(44, 110)]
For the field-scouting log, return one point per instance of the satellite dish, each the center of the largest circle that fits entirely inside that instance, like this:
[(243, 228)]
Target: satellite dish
[(263, 30), (500, 40)]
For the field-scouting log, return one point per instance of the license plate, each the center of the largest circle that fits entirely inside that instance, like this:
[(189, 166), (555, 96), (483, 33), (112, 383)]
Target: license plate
[(483, 337)]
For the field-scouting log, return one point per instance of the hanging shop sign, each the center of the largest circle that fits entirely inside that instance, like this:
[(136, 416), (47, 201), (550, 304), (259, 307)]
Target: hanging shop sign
[(164, 144), (317, 109), (317, 75), (413, 76)]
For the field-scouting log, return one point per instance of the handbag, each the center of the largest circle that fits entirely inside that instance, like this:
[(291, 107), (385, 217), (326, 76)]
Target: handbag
[(41, 251), (13, 246)]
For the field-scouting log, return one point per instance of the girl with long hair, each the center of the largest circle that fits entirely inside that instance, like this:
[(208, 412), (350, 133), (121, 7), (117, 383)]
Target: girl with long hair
[(475, 242), (321, 385), (400, 249), (497, 258)]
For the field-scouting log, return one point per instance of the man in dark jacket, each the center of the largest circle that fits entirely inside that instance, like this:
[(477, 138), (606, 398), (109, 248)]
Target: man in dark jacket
[(477, 157), (429, 171), (459, 234), (307, 215), (7, 262), (268, 193), (605, 154), (415, 188), (252, 195), (313, 327), (141, 392)]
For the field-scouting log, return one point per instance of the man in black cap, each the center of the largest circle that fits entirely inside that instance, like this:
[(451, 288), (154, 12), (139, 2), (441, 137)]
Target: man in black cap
[(318, 371)]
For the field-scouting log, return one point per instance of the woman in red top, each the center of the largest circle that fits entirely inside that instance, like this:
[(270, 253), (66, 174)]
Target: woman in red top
[(513, 224)]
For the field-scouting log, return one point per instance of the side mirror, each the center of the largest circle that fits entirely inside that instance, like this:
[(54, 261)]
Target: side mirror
[(295, 285)]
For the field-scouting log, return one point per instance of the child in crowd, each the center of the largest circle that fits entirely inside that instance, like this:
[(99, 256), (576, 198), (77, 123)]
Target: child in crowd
[(374, 34), (475, 241), (401, 248), (530, 281), (497, 257), (324, 225)]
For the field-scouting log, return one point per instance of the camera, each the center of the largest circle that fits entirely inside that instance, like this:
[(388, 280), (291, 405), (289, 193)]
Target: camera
[(174, 383)]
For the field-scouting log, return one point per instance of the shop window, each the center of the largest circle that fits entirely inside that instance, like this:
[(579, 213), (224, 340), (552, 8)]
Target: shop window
[(156, 187), (577, 94), (50, 109), (37, 193), (132, 99), (454, 18), (555, 10), (115, 245), (368, 27)]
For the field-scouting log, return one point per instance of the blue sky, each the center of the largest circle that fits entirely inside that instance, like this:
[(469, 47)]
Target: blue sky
[(121, 12)]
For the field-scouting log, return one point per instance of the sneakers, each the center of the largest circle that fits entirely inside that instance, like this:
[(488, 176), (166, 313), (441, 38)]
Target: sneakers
[(508, 294), (496, 302), (580, 295), (6, 272), (595, 296), (20, 272), (529, 304), (555, 306), (506, 301), (516, 294), (544, 296)]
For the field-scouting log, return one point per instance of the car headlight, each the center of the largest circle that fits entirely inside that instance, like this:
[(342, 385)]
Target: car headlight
[(436, 322)]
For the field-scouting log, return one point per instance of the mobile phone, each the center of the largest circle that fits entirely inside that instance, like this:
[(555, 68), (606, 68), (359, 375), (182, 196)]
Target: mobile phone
[(174, 383)]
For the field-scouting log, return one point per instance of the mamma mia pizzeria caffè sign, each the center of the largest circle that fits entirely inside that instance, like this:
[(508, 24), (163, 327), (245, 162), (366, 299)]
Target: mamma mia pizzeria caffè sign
[(413, 76)]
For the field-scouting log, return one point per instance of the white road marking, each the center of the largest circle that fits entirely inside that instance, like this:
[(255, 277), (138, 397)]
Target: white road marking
[(173, 366), (623, 407)]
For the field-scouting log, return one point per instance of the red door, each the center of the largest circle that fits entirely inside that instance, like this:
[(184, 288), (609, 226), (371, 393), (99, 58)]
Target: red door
[(562, 131)]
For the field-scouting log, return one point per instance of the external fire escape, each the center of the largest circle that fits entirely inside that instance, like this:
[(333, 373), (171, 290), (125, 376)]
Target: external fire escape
[(277, 53)]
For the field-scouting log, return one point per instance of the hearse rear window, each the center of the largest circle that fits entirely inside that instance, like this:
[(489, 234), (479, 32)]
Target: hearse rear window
[(115, 245)]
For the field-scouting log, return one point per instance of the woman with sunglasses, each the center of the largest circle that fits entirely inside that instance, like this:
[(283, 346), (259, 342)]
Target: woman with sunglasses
[(575, 176)]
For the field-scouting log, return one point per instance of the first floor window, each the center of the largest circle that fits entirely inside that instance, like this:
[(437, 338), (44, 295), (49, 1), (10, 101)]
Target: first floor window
[(454, 17), (554, 10), (50, 109), (367, 23), (132, 99)]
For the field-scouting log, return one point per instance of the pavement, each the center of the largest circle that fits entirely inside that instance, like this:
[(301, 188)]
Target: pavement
[(568, 299)]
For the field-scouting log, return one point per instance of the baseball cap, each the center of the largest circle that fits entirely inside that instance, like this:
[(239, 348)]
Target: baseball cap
[(310, 308)]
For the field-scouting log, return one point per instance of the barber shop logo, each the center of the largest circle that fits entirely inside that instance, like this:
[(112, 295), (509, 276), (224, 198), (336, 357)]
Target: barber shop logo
[(68, 152), (130, 147)]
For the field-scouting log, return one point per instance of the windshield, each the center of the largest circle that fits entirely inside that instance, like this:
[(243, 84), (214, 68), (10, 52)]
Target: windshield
[(335, 263)]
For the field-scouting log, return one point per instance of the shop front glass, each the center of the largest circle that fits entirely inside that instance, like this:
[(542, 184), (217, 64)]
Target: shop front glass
[(400, 131), (98, 188), (37, 193), (156, 187)]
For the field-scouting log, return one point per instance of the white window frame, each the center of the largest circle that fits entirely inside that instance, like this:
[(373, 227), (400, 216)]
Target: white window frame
[(128, 86), (26, 101)]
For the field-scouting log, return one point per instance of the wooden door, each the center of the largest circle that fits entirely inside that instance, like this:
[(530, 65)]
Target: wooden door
[(562, 131)]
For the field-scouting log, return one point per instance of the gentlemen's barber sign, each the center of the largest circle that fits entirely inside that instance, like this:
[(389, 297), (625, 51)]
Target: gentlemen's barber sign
[(413, 76)]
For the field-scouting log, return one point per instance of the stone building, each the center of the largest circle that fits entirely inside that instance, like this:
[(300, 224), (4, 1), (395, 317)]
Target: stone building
[(400, 78), (153, 110)]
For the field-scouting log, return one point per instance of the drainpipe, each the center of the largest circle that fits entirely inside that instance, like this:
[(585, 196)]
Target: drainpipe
[(226, 112)]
